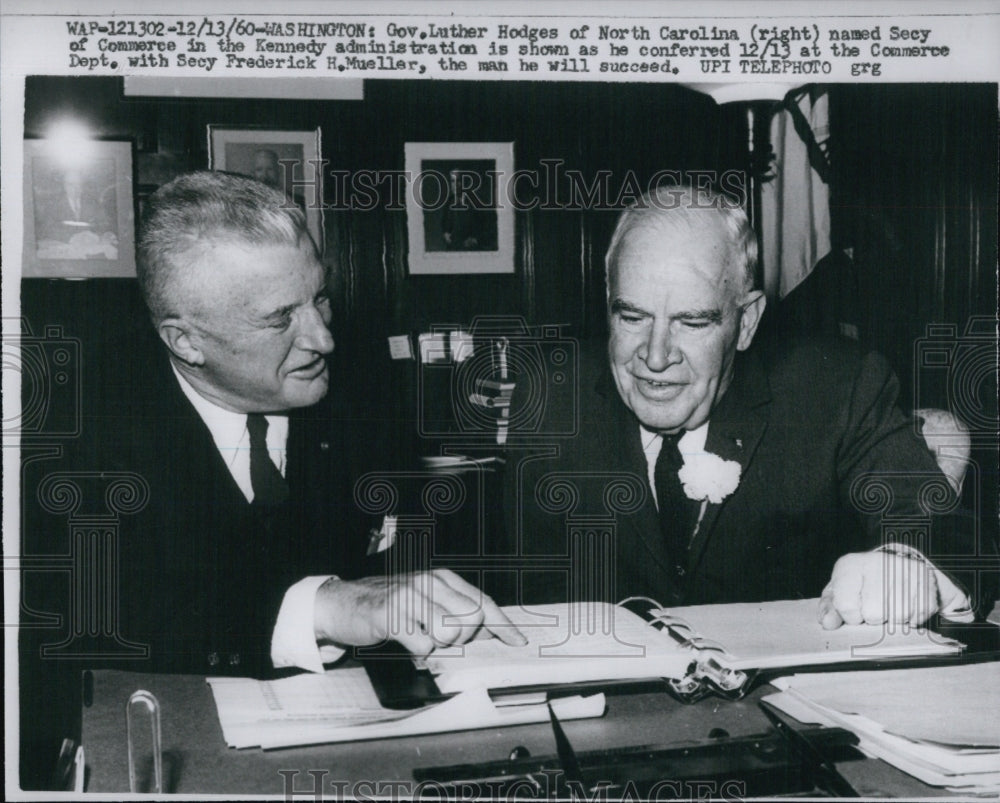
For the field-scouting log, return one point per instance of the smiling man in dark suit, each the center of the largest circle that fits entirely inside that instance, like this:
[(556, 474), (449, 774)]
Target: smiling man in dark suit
[(241, 548), (733, 470), (238, 296)]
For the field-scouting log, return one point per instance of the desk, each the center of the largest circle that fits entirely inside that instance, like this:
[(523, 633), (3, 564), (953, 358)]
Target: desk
[(196, 759)]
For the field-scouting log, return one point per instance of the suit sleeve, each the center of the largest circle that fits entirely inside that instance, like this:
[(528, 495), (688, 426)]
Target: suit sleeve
[(890, 478)]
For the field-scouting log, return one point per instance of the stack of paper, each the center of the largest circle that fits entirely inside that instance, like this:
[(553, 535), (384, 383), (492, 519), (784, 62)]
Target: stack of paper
[(566, 644), (341, 706), (938, 724)]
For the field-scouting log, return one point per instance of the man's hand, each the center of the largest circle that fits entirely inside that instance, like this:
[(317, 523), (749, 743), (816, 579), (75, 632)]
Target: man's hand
[(421, 611), (878, 587)]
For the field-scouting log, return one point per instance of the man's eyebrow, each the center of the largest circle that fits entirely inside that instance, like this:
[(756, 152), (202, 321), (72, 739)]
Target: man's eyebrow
[(280, 313), (710, 315), (713, 315), (618, 305)]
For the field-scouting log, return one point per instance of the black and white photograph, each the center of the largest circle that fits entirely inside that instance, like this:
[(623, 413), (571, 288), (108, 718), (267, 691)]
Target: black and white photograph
[(80, 196), (620, 427), (286, 160), (458, 218)]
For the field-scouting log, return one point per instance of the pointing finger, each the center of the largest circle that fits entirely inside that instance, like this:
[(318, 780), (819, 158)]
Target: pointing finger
[(493, 619), (500, 625)]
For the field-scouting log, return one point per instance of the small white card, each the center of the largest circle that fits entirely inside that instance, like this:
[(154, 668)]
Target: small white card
[(400, 347)]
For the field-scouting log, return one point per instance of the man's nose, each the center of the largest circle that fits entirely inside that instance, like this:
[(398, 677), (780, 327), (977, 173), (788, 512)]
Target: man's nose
[(313, 333), (660, 351)]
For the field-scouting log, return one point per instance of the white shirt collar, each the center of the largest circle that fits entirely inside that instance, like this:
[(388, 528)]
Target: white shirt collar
[(692, 442), (226, 426), (229, 432)]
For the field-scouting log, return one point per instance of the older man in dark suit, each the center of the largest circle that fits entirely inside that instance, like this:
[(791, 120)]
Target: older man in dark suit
[(706, 470), (240, 548)]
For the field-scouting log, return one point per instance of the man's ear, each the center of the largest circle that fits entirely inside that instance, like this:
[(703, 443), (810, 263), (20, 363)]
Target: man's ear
[(182, 340), (753, 311)]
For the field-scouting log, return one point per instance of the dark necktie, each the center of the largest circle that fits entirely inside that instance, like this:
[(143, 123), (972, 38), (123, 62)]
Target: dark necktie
[(677, 512), (269, 487)]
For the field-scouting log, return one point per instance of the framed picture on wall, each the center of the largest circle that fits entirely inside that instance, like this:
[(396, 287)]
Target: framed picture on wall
[(78, 215), (288, 160), (458, 215)]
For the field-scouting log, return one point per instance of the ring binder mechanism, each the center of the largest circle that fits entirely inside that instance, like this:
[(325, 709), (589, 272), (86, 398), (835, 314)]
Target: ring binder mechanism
[(709, 677), (706, 676)]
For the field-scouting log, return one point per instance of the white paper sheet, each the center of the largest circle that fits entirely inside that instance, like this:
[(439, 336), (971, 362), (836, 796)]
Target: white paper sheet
[(341, 705)]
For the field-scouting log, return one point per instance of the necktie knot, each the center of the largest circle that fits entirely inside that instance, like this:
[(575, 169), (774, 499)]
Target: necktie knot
[(257, 427), (269, 487), (670, 453)]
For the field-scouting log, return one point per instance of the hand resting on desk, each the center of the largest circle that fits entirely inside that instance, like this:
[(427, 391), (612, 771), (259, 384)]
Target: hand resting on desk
[(420, 610), (888, 585)]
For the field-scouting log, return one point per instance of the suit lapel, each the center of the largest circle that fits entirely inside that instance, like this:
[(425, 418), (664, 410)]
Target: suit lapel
[(306, 441), (175, 417), (734, 433)]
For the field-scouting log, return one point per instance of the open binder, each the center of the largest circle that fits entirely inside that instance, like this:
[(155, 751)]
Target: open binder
[(695, 650)]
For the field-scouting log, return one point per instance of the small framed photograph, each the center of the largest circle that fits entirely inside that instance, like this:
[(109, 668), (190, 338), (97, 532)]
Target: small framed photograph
[(458, 219), (79, 221), (288, 160)]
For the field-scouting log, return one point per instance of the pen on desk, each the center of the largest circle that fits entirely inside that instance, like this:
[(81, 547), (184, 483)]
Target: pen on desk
[(567, 756), (62, 775), (824, 774)]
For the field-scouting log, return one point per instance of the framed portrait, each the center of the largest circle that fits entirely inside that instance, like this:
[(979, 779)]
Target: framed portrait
[(458, 217), (79, 221), (288, 160)]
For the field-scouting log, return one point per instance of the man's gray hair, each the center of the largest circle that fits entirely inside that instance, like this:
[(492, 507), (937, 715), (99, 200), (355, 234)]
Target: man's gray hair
[(197, 210), (696, 209)]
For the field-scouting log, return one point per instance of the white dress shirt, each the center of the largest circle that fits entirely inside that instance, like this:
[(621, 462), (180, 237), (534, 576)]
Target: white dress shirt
[(293, 640)]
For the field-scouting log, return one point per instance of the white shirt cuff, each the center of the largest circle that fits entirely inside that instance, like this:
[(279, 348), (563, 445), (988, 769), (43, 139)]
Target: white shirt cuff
[(293, 642), (953, 603)]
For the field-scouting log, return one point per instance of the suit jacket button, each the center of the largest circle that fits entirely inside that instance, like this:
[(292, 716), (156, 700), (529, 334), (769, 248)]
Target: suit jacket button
[(213, 659), (234, 659)]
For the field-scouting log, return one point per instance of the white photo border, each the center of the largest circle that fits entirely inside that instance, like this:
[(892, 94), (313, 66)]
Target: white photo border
[(311, 181), (426, 262)]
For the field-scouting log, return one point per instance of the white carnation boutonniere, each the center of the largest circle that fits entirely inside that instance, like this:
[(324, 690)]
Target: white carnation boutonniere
[(706, 477)]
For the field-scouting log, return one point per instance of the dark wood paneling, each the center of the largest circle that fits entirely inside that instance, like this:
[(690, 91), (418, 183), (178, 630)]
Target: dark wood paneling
[(914, 194), (625, 132), (914, 188)]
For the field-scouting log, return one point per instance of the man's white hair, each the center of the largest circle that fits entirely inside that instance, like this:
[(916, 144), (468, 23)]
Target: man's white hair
[(696, 210), (197, 210)]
